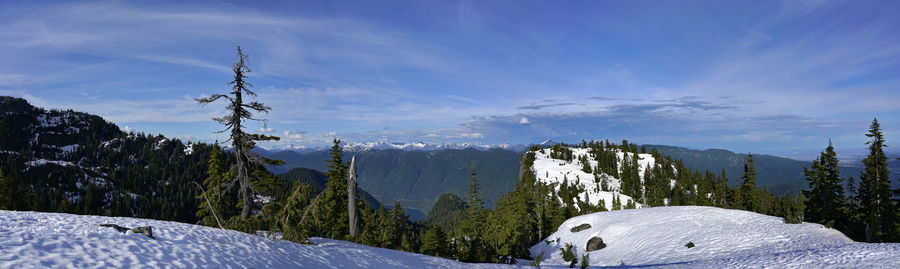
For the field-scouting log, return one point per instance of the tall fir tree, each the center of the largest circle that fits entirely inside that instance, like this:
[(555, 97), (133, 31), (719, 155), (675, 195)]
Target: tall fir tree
[(216, 205), (471, 245), (242, 142), (434, 243), (748, 191), (333, 208), (826, 203), (877, 209)]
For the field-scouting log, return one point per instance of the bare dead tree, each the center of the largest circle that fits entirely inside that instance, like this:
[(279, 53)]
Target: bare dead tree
[(351, 198), (241, 141)]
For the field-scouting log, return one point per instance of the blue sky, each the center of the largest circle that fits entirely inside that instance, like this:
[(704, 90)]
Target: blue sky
[(749, 76)]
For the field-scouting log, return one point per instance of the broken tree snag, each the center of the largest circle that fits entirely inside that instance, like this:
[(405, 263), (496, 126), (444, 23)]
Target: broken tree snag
[(351, 198), (146, 230)]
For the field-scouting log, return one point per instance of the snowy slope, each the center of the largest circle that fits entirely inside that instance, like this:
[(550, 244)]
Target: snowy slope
[(40, 240), (724, 238), (549, 170)]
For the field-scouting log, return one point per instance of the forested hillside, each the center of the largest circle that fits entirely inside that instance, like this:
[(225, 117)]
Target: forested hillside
[(67, 161)]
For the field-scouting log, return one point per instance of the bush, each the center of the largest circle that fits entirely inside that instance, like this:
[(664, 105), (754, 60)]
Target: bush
[(689, 245)]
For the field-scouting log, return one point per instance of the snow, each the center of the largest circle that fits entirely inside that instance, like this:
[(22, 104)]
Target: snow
[(724, 238), (41, 240), (549, 170), (40, 162)]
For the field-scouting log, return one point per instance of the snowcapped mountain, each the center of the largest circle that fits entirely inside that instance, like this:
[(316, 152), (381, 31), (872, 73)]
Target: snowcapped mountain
[(51, 240), (721, 238), (382, 145)]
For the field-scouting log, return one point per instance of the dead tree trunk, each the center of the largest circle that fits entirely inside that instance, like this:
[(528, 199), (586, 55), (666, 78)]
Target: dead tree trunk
[(351, 198)]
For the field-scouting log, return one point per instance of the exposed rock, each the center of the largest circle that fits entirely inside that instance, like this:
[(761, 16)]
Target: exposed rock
[(146, 230), (581, 227), (595, 243)]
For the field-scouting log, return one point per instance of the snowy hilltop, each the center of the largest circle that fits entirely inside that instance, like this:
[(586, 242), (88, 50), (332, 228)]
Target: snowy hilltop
[(719, 238), (41, 240), (563, 166)]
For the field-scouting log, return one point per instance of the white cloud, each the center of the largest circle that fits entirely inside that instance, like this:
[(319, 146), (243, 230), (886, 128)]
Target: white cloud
[(524, 120), (266, 130), (293, 135)]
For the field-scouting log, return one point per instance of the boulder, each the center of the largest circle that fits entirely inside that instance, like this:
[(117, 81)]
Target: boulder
[(595, 243), (581, 227)]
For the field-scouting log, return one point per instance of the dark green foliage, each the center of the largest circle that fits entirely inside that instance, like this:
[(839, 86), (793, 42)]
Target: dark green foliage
[(878, 211), (568, 255), (749, 193), (689, 245), (333, 209), (585, 261), (447, 212), (216, 203), (435, 243), (826, 201)]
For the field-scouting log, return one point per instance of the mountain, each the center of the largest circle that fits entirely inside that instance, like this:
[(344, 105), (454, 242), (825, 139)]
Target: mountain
[(417, 178), (352, 146), (720, 238), (780, 175), (74, 162), (317, 180)]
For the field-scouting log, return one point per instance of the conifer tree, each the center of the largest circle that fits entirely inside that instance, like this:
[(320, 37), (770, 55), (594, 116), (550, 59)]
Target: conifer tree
[(333, 210), (434, 243), (471, 247), (216, 205), (7, 192), (242, 142), (748, 191), (826, 195), (878, 211)]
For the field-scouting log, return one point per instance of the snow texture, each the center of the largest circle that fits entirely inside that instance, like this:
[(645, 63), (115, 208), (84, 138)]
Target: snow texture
[(54, 240), (549, 170), (724, 238)]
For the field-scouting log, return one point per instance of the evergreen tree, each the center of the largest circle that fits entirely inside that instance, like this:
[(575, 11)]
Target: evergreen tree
[(294, 219), (8, 192), (826, 195), (333, 210), (748, 191), (470, 243), (241, 141), (215, 204), (878, 211), (434, 243)]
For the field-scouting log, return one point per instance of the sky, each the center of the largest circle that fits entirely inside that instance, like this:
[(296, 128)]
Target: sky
[(749, 76)]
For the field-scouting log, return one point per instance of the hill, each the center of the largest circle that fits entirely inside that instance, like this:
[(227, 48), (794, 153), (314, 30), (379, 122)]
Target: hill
[(723, 238), (40, 240)]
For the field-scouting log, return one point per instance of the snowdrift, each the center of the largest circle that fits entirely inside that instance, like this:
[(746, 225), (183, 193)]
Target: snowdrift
[(42, 240), (723, 238)]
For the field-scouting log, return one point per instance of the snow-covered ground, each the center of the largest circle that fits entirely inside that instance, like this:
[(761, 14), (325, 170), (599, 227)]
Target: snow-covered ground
[(550, 170), (723, 238), (53, 240)]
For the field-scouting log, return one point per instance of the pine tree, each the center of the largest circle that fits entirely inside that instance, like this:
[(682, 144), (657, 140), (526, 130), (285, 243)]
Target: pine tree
[(8, 192), (749, 193), (470, 229), (434, 243), (878, 211), (215, 204), (294, 218), (826, 195), (333, 210), (241, 141)]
